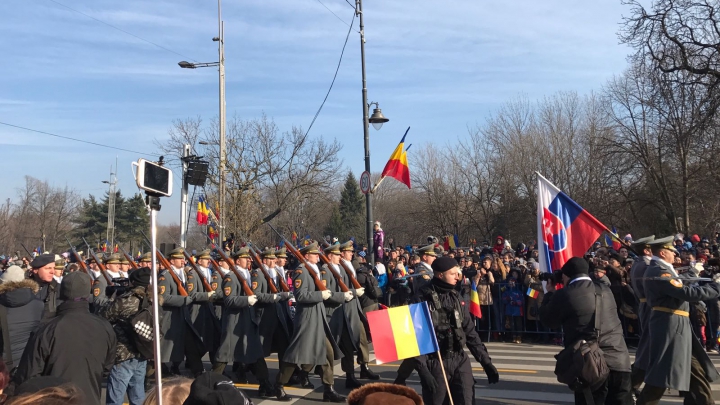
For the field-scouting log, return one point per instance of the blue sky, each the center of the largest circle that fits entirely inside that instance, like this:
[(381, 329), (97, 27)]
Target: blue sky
[(65, 73)]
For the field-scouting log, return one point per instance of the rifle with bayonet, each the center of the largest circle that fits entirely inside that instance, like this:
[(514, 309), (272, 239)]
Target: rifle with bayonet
[(128, 258), (100, 265), (293, 250), (195, 267), (246, 288), (78, 259), (328, 263), (161, 258), (255, 254), (344, 265)]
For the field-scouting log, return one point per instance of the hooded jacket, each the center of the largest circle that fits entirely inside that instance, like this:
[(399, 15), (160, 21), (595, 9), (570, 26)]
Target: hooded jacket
[(20, 314)]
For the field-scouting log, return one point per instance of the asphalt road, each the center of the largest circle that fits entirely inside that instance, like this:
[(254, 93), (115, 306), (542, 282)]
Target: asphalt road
[(526, 377)]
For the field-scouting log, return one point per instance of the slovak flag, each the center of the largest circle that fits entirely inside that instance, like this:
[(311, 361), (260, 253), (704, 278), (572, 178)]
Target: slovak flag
[(565, 229)]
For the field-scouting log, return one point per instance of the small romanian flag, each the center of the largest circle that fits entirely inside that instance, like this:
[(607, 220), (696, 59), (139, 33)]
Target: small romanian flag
[(532, 293), (402, 332), (397, 166), (474, 300)]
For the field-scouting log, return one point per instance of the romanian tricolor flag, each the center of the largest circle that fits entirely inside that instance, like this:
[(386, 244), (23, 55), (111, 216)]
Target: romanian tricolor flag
[(474, 301), (532, 293), (397, 166), (202, 212), (115, 249), (402, 332)]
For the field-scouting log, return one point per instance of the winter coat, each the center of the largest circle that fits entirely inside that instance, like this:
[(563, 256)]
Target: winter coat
[(573, 308), (513, 299), (672, 342), (533, 304), (484, 290), (20, 315), (307, 345), (637, 273), (75, 345), (240, 338), (175, 318), (378, 243), (349, 318), (373, 292), (275, 316), (202, 313), (48, 294), (120, 313)]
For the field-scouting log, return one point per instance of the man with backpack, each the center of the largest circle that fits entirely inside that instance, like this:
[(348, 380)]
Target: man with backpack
[(133, 347), (574, 308)]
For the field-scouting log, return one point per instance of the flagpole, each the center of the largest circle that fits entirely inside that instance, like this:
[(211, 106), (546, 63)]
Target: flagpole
[(447, 383), (377, 184)]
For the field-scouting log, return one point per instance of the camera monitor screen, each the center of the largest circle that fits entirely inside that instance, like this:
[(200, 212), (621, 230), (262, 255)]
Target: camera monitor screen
[(154, 178)]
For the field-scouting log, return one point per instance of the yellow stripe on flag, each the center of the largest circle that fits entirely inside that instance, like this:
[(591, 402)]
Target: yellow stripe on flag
[(404, 332)]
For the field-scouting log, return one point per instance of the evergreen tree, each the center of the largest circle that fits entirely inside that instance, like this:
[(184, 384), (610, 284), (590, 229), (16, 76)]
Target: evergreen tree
[(131, 219), (335, 226), (352, 210)]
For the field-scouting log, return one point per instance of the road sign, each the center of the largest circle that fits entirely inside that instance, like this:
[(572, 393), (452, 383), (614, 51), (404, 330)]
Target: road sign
[(365, 182)]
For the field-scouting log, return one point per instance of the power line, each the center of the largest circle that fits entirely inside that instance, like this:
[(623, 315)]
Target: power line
[(333, 13), (351, 5), (334, 77), (122, 30), (76, 139)]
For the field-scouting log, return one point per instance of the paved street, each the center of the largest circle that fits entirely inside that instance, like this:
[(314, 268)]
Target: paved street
[(526, 377)]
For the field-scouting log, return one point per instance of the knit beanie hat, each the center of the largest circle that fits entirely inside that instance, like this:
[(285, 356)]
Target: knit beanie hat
[(575, 267), (443, 264), (75, 287), (140, 277), (13, 274)]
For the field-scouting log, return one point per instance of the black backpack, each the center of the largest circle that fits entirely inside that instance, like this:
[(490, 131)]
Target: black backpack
[(582, 366), (142, 330)]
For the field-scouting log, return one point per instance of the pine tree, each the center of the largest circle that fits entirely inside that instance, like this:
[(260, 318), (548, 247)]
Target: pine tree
[(335, 226), (352, 210)]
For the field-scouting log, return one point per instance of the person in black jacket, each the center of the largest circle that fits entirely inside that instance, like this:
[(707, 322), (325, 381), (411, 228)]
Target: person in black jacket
[(369, 300), (43, 270), (573, 308), (20, 313), (75, 345), (455, 330)]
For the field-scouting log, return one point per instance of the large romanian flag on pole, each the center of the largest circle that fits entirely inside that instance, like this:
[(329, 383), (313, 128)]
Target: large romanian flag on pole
[(402, 332), (397, 166), (565, 229)]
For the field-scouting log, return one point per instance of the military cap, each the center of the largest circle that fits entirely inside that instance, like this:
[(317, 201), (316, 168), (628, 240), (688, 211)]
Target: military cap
[(281, 253), (268, 253), (91, 259), (124, 260), (205, 254), (242, 252), (427, 250), (643, 243), (335, 249), (60, 264), (42, 261), (146, 257), (311, 248), (176, 253), (664, 243), (113, 259), (347, 247)]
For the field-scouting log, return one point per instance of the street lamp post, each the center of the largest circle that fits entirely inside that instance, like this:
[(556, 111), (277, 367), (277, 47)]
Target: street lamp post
[(377, 119), (110, 235), (220, 39)]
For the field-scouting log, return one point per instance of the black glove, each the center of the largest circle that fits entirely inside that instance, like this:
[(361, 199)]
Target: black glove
[(427, 379), (492, 373)]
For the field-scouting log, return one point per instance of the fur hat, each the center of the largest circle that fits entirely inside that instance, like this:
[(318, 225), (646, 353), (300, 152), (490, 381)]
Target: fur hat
[(384, 394), (13, 274)]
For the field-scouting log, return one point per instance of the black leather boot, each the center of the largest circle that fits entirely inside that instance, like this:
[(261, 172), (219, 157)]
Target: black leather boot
[(329, 394), (304, 380), (281, 395), (365, 372), (351, 381)]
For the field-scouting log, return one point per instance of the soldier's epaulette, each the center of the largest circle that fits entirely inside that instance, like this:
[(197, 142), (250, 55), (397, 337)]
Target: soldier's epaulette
[(161, 278), (323, 272), (228, 279), (214, 277), (298, 271)]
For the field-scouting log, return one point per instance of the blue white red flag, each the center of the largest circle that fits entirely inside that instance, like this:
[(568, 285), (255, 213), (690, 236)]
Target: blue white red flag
[(565, 229)]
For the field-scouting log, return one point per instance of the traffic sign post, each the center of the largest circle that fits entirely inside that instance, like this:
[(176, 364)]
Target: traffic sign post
[(365, 182)]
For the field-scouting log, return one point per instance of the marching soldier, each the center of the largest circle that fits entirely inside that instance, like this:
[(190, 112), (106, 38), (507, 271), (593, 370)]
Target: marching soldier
[(356, 316), (204, 261), (145, 260), (343, 319), (124, 267), (113, 266), (637, 273), (275, 331), (240, 339), (180, 339), (99, 285), (59, 270), (427, 257), (307, 347), (202, 313), (677, 359)]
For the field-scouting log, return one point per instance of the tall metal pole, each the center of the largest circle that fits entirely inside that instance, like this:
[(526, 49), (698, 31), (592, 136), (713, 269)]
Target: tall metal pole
[(366, 133), (184, 198), (156, 306), (110, 236), (221, 70)]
